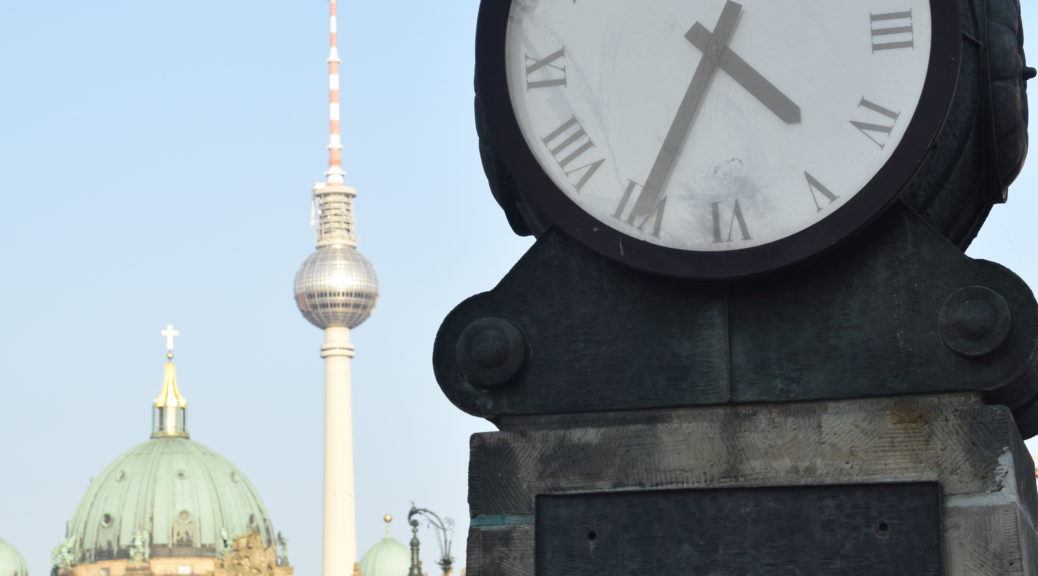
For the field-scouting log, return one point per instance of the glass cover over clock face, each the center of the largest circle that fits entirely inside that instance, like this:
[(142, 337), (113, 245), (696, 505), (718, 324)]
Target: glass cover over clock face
[(711, 125)]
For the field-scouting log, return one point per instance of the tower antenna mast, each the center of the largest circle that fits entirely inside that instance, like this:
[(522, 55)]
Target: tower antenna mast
[(335, 173)]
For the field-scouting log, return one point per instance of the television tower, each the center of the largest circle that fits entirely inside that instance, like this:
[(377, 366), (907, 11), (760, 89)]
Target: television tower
[(336, 289)]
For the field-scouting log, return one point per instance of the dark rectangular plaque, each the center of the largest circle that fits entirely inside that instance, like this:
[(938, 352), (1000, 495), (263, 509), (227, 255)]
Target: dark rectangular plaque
[(874, 530)]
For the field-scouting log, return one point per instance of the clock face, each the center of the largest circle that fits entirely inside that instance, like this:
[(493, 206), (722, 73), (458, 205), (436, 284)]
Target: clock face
[(716, 138)]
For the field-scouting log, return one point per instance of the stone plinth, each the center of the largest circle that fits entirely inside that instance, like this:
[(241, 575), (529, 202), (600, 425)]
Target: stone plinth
[(968, 455)]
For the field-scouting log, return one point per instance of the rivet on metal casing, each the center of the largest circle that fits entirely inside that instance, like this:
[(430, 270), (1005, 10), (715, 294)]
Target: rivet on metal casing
[(974, 321), (490, 352)]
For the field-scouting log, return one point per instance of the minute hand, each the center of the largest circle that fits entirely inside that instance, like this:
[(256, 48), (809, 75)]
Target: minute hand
[(687, 111), (746, 76)]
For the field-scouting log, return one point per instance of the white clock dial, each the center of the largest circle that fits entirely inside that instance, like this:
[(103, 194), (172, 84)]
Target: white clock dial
[(710, 125)]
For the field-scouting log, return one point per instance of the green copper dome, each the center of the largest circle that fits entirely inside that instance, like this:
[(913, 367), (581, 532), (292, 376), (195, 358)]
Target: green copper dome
[(176, 494), (167, 497), (11, 561), (386, 558)]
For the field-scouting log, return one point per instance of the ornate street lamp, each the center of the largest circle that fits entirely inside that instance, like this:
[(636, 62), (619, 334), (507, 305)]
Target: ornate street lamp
[(445, 531)]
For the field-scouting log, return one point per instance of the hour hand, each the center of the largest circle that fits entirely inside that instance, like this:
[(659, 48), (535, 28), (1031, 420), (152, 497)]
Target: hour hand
[(746, 76)]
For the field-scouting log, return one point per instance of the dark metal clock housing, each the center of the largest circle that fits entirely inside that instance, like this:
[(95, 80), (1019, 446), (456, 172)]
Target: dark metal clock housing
[(531, 197)]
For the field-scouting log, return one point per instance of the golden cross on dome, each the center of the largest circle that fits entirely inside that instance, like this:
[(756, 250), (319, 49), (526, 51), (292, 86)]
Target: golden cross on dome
[(169, 333)]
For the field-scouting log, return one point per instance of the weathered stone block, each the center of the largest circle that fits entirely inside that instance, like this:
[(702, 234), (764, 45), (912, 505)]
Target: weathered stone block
[(972, 451)]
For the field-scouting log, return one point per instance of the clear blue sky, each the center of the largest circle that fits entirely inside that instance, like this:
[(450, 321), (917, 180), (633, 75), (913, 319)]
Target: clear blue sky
[(156, 160)]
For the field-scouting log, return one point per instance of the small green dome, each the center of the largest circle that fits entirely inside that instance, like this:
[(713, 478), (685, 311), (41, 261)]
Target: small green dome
[(11, 561), (386, 558), (171, 492)]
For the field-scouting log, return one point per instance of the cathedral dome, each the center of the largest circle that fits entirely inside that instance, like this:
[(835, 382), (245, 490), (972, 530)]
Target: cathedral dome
[(169, 497), (11, 561), (187, 498), (387, 557)]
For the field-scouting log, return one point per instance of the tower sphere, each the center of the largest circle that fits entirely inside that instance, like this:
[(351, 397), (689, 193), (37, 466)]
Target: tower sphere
[(336, 286)]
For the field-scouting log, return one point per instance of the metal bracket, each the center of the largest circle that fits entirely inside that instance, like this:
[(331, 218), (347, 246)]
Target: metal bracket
[(897, 310)]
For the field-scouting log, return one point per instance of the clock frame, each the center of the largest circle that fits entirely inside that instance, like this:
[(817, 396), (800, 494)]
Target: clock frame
[(502, 131)]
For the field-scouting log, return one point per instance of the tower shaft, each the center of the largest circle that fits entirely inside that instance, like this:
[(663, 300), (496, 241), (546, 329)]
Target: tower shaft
[(340, 514)]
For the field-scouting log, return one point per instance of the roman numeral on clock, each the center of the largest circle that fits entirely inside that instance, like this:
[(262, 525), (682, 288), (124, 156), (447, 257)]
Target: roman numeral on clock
[(882, 125), (737, 219), (891, 30), (568, 143), (655, 215), (546, 72), (816, 188)]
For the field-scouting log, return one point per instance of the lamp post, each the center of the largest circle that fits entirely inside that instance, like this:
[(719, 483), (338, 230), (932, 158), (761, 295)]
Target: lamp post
[(445, 531)]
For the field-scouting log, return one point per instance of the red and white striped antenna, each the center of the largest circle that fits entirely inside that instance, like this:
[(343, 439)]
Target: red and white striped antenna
[(332, 209), (335, 173)]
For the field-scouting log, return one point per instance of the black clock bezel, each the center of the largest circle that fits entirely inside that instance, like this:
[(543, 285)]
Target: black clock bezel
[(877, 195)]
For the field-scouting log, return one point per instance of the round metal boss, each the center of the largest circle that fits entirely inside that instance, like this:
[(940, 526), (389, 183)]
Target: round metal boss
[(490, 351), (974, 321)]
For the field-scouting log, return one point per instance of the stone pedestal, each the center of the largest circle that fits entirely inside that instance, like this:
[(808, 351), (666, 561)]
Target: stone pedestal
[(940, 484)]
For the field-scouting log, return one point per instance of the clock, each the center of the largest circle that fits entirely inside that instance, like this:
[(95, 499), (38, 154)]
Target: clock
[(714, 139)]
